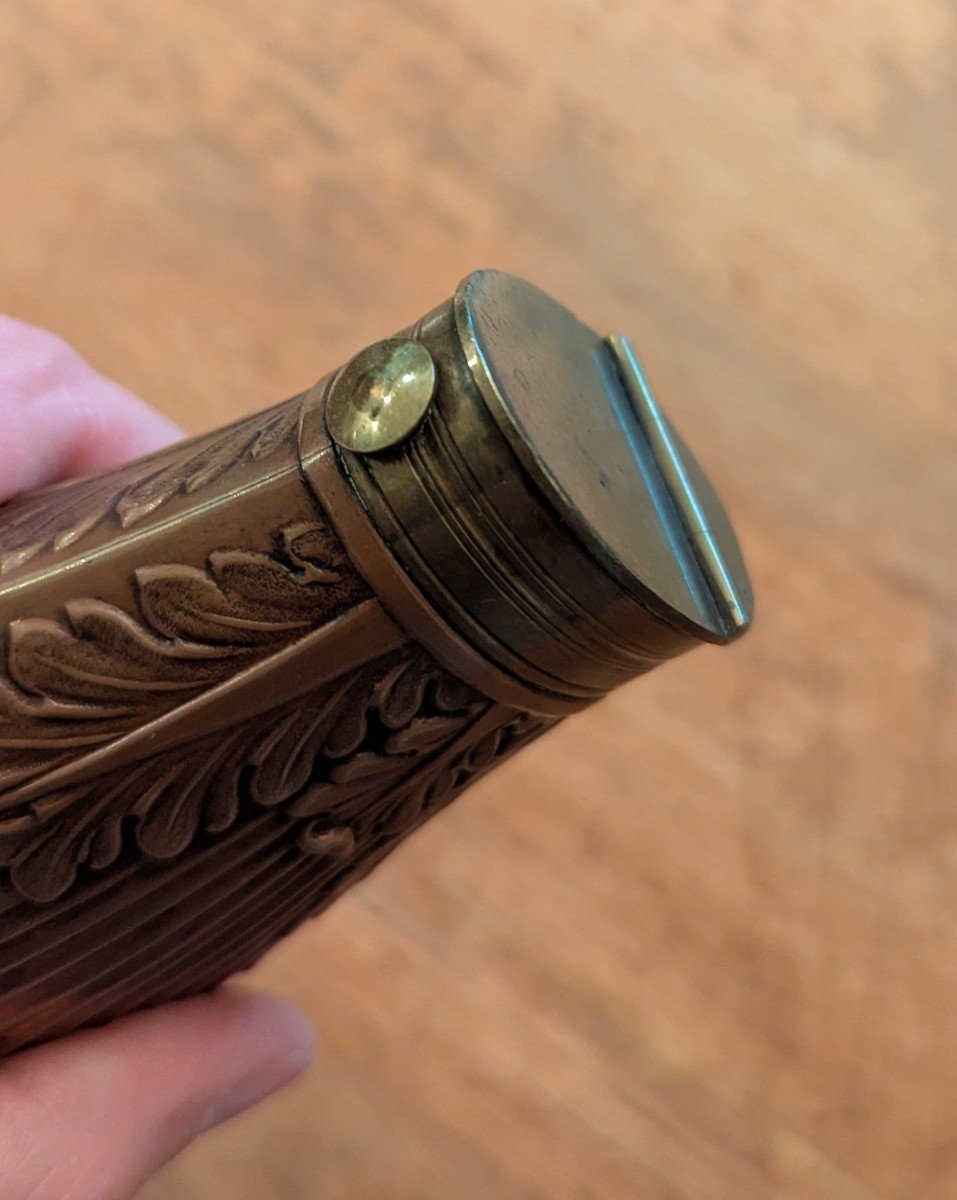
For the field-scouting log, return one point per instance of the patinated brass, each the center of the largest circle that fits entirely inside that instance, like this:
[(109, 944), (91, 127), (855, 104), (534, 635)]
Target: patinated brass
[(379, 398), (236, 673)]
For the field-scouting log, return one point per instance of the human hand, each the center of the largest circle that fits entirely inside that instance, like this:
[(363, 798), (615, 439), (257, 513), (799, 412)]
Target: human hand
[(92, 1116)]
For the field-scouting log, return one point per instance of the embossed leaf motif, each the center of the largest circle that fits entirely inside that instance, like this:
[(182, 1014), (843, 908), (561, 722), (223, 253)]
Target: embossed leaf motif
[(326, 758), (102, 654), (243, 600), (199, 464), (86, 679), (436, 788), (57, 517), (350, 845)]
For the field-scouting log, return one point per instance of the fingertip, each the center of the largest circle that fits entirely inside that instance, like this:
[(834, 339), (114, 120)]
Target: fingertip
[(60, 416), (275, 1045), (267, 1021), (287, 1027)]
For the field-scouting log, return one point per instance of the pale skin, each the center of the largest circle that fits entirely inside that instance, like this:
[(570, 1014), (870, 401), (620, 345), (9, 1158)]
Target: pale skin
[(92, 1116)]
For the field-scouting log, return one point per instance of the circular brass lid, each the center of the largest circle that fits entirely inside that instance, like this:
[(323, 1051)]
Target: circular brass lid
[(578, 414)]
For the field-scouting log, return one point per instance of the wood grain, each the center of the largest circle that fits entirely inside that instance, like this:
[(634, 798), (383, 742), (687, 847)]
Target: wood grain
[(699, 943)]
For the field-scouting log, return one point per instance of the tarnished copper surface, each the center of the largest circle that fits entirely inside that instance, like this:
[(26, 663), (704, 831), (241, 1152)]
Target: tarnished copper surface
[(238, 672)]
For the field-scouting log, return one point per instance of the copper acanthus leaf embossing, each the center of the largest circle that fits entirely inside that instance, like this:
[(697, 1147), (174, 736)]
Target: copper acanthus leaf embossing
[(76, 683), (327, 759), (351, 839)]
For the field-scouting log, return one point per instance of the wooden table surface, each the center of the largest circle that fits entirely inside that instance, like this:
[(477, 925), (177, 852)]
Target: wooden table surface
[(700, 943)]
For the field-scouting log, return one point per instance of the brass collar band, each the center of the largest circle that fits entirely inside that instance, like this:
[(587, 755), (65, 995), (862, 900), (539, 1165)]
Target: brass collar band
[(563, 589)]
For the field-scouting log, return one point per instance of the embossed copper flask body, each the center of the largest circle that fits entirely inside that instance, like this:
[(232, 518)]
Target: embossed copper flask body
[(236, 673)]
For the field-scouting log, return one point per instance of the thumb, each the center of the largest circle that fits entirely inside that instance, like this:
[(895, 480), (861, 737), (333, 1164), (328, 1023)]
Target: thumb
[(93, 1116)]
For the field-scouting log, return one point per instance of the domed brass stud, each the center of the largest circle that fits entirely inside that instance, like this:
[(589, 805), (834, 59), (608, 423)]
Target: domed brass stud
[(381, 396)]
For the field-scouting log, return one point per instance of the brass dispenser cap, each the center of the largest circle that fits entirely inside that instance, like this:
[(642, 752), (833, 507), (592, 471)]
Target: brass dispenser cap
[(541, 509)]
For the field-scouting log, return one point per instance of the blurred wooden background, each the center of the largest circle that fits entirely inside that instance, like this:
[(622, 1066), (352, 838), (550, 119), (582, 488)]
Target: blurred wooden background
[(701, 942)]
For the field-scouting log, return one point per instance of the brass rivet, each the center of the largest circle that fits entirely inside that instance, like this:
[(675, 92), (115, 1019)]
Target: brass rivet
[(381, 395)]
